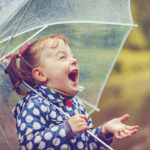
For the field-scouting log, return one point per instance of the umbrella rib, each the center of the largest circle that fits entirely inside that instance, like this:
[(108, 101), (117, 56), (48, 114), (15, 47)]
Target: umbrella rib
[(74, 22), (24, 42), (10, 17), (89, 104), (16, 28), (108, 74)]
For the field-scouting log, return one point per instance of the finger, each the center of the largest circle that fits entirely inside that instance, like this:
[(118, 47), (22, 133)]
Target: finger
[(132, 127), (83, 128), (133, 131), (117, 135), (82, 124), (126, 133), (124, 117), (84, 117)]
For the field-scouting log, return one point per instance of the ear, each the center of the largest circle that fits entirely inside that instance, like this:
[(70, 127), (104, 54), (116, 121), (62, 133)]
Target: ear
[(39, 75)]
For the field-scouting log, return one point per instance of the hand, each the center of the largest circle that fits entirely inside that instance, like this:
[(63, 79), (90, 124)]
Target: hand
[(118, 128), (78, 123)]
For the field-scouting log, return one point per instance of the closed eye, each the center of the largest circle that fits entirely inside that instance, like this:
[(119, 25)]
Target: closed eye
[(62, 56)]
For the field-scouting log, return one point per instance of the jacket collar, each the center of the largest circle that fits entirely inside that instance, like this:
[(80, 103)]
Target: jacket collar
[(53, 95)]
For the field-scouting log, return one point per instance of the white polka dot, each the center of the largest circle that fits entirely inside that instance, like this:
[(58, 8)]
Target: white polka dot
[(53, 91), (59, 118), (28, 131), (51, 125), (80, 145), (83, 137), (19, 122), (76, 112), (73, 140), (37, 139), (23, 126), (62, 133), (29, 118), (27, 97), (42, 145), (86, 137), (23, 148), (36, 125), (61, 104), (43, 108), (21, 139), (81, 108), (56, 141), (94, 145), (61, 97), (24, 113), (46, 102), (29, 137), (69, 108), (64, 147), (40, 99), (18, 110), (30, 105), (47, 117), (55, 128), (43, 120), (36, 111), (29, 145), (48, 136), (23, 104), (53, 114), (51, 96)]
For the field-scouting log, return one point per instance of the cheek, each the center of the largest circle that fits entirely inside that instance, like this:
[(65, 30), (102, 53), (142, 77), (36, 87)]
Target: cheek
[(60, 71)]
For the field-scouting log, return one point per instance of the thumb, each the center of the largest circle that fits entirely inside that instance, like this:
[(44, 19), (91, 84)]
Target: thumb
[(124, 117)]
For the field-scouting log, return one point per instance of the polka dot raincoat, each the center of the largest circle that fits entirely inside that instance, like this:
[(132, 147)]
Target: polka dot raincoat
[(41, 126)]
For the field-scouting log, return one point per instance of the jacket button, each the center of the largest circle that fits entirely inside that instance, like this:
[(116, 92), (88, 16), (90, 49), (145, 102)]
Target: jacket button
[(69, 103)]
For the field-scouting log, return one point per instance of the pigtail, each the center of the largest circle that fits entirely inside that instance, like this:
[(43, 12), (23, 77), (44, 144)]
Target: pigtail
[(15, 76)]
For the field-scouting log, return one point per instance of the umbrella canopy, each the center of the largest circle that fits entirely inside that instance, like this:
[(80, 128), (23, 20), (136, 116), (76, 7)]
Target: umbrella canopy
[(97, 30)]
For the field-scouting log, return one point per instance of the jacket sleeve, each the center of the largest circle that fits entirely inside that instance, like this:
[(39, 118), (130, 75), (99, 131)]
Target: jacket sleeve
[(36, 131), (96, 131)]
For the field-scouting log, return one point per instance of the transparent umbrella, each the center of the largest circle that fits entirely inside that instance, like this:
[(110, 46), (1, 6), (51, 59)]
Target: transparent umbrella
[(97, 30)]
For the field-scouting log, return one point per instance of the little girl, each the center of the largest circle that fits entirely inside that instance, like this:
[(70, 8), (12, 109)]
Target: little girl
[(49, 66)]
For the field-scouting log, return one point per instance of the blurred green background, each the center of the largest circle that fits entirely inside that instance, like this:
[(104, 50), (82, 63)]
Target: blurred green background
[(128, 87)]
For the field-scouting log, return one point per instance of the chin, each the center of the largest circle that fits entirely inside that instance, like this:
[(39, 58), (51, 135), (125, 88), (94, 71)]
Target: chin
[(73, 91)]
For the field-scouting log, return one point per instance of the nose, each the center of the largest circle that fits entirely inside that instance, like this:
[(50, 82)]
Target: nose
[(73, 61)]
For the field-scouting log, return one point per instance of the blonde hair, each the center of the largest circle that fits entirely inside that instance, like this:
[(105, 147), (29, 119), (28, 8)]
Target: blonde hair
[(29, 60)]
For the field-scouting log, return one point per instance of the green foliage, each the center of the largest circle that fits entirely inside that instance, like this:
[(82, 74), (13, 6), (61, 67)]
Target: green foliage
[(139, 37)]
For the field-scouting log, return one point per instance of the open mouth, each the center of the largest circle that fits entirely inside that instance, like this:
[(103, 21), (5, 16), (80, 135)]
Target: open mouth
[(73, 75)]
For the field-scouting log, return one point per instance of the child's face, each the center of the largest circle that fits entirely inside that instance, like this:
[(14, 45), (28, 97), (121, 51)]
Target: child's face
[(60, 67)]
